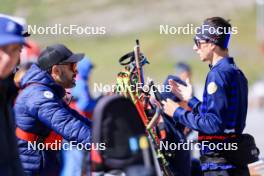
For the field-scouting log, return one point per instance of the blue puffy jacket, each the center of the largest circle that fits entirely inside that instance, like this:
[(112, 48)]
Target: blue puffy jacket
[(39, 108)]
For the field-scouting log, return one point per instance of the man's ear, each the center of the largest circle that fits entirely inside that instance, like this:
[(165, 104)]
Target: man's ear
[(55, 70), (212, 46)]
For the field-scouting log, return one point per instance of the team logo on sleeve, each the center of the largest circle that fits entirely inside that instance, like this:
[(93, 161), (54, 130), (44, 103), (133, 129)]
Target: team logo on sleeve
[(211, 88), (48, 94)]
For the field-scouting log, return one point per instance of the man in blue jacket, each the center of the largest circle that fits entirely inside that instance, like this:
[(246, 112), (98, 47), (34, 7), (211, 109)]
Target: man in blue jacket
[(222, 113), (41, 110)]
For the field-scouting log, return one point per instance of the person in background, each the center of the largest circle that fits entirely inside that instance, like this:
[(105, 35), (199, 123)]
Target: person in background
[(31, 53), (76, 162), (183, 71), (23, 68), (83, 102)]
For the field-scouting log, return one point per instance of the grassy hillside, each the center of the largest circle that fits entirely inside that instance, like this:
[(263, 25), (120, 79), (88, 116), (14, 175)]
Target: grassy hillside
[(127, 20)]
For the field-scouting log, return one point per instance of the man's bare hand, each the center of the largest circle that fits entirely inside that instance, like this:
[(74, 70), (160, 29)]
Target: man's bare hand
[(182, 92), (169, 107)]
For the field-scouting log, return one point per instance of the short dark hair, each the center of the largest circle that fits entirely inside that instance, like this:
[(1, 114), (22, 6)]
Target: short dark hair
[(220, 22)]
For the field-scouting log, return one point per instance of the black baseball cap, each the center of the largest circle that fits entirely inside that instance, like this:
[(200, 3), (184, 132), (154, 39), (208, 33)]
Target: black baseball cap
[(57, 54)]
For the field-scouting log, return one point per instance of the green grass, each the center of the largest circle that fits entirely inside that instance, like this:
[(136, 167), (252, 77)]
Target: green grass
[(8, 6), (106, 50)]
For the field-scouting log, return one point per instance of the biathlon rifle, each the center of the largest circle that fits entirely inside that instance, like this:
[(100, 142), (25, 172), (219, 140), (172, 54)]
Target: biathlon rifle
[(128, 81)]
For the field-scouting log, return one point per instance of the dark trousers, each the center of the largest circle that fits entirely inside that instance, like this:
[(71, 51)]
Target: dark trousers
[(217, 158), (231, 172)]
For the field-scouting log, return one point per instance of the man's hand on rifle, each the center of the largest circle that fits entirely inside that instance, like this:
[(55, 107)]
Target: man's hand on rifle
[(169, 107), (182, 92)]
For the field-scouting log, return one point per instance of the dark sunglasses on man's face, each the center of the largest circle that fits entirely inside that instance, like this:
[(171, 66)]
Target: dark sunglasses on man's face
[(198, 42), (73, 66)]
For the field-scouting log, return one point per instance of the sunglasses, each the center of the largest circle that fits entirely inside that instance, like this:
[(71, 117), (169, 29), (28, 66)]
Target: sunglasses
[(73, 66), (198, 42)]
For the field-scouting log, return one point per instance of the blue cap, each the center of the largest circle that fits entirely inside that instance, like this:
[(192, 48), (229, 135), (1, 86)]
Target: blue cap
[(11, 32)]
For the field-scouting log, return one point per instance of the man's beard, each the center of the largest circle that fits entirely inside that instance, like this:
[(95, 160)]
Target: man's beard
[(66, 82), (73, 82)]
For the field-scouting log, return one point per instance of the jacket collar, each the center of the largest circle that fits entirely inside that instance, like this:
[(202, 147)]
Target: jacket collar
[(222, 62), (37, 76)]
